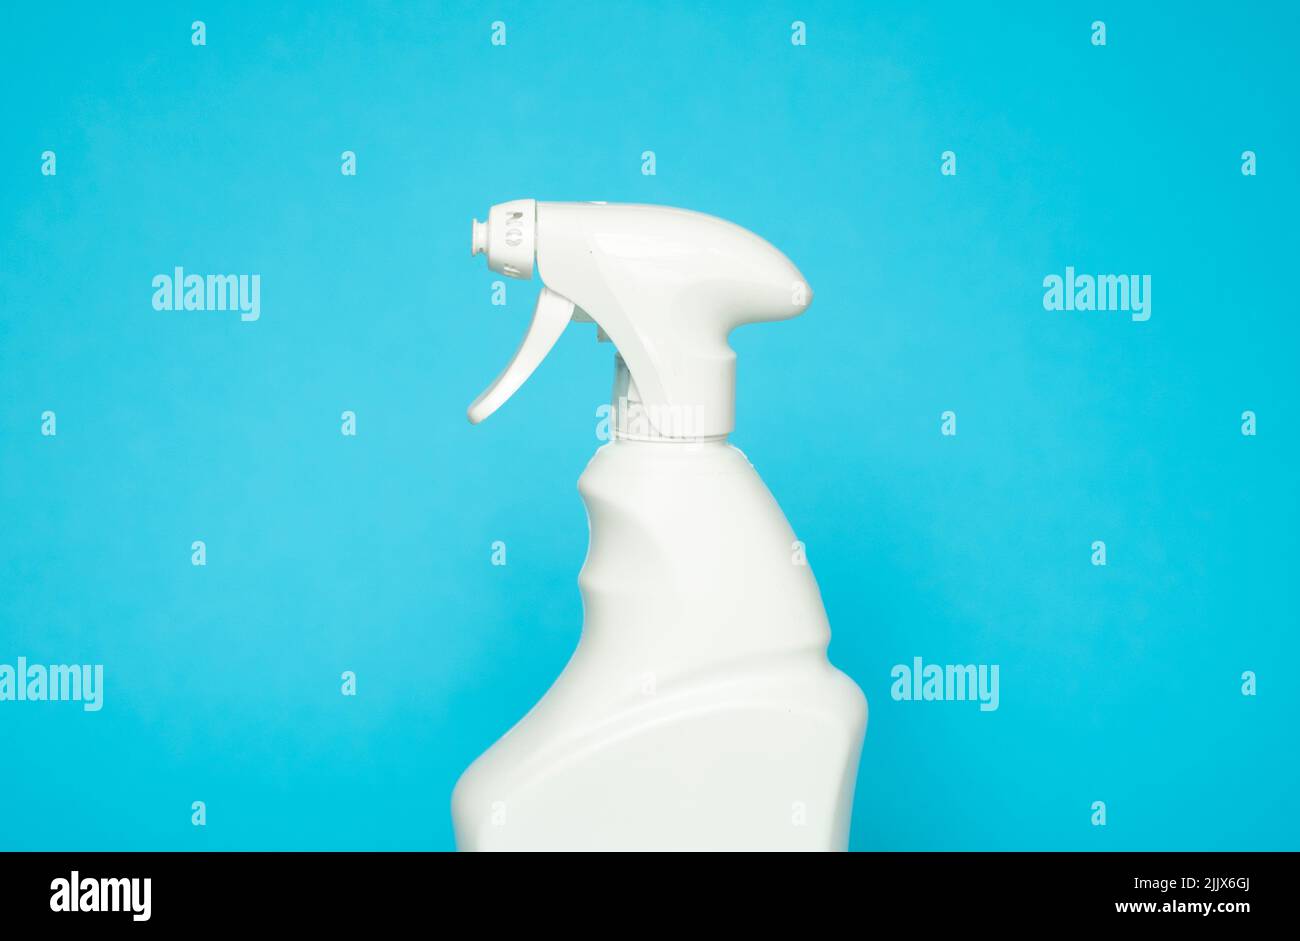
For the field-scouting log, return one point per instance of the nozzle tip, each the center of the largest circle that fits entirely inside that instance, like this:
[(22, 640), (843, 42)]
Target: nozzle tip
[(478, 238)]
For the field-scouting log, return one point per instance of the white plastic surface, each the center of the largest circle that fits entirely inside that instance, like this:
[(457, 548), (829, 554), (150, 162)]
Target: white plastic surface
[(699, 710)]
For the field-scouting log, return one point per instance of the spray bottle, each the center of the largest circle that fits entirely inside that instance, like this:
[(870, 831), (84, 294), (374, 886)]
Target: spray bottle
[(699, 710)]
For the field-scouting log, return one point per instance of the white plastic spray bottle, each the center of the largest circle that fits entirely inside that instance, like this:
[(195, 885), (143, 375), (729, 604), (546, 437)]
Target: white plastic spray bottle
[(699, 710)]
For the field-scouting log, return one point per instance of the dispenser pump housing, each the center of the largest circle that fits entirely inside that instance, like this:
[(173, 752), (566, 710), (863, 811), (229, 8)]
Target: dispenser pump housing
[(666, 286)]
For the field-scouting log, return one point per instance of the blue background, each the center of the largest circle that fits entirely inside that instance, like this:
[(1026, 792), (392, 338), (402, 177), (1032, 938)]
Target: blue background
[(328, 553)]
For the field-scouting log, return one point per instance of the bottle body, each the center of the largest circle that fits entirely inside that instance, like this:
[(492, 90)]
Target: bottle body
[(699, 710)]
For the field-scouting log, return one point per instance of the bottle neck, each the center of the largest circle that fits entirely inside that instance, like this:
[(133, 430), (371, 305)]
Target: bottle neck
[(634, 419)]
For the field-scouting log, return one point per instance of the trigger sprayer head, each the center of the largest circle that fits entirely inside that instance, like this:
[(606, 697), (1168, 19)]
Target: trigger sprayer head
[(666, 286)]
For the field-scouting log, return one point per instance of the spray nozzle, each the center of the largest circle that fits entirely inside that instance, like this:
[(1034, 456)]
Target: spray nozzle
[(665, 285), (509, 238)]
